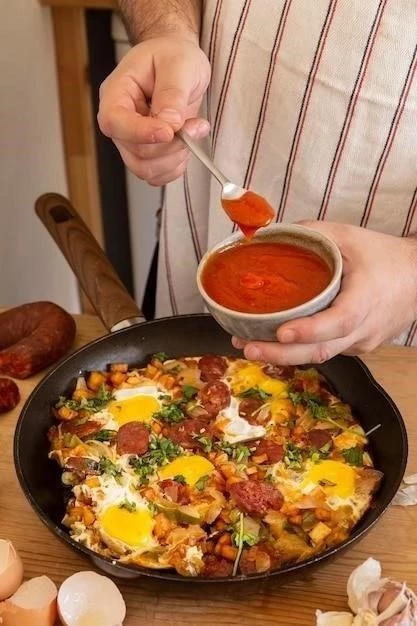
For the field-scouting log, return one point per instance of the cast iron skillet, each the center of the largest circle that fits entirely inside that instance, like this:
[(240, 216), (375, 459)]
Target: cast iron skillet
[(134, 340)]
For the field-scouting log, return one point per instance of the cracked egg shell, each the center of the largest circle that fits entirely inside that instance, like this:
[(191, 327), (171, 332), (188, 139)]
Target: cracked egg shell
[(11, 569), (90, 599)]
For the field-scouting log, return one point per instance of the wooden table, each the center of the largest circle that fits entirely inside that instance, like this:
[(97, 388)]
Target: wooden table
[(393, 541)]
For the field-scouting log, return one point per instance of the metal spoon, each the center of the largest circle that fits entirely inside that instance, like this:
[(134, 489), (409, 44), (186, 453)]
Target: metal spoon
[(245, 208), (230, 191)]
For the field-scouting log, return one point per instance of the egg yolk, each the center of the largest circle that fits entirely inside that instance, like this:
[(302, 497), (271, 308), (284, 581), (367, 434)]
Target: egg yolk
[(138, 408), (133, 528), (251, 375), (337, 479), (192, 467)]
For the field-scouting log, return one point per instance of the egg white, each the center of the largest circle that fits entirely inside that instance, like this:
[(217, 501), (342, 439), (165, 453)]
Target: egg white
[(235, 428)]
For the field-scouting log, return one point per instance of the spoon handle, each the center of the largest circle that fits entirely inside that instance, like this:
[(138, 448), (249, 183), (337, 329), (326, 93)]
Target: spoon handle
[(200, 154)]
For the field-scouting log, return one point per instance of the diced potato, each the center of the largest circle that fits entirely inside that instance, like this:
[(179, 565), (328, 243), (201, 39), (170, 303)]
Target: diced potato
[(92, 482), (119, 367), (64, 413), (95, 380), (319, 533)]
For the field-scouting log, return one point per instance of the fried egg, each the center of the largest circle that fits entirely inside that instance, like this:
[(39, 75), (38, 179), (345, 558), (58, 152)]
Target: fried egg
[(124, 519), (235, 428), (335, 478), (135, 404), (192, 467), (251, 375)]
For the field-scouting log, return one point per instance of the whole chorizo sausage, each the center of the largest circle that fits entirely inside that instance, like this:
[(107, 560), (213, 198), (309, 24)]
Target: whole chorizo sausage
[(9, 395), (132, 438), (33, 336)]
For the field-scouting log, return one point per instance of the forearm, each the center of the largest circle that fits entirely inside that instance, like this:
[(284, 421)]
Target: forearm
[(145, 19)]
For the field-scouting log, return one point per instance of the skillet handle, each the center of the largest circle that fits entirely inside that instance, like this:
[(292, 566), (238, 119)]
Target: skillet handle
[(97, 277)]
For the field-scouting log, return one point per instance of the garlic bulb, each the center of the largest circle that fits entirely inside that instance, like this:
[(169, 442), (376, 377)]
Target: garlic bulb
[(374, 601)]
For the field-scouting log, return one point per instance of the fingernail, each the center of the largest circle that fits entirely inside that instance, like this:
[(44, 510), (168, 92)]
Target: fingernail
[(171, 116), (253, 353), (287, 336)]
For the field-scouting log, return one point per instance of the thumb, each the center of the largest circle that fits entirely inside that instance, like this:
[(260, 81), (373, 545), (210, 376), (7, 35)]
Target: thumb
[(171, 94)]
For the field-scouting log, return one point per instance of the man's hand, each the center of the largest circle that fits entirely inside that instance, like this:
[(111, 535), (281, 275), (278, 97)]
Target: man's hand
[(377, 301), (156, 89)]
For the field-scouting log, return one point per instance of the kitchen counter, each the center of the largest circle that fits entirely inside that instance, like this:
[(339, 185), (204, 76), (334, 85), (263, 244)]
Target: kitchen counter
[(393, 540)]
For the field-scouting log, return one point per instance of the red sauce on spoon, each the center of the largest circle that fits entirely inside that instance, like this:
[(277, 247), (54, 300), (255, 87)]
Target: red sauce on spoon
[(249, 212)]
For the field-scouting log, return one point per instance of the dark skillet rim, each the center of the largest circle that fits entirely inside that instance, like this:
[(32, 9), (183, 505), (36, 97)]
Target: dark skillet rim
[(129, 572)]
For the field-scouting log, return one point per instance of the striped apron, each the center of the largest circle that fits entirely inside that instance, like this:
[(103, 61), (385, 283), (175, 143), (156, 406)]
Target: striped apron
[(312, 104)]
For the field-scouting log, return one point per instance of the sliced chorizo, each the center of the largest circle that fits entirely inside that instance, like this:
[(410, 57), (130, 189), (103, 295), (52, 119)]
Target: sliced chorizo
[(214, 396), (33, 336), (212, 367), (256, 497), (317, 438), (273, 450), (9, 395), (132, 438), (248, 408), (187, 432)]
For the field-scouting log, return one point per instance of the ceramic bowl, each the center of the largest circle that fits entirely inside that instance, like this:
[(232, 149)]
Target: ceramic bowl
[(263, 326)]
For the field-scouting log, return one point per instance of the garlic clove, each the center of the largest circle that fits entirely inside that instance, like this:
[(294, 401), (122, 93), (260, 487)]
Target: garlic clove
[(365, 618), (360, 581), (11, 569), (334, 618), (410, 480)]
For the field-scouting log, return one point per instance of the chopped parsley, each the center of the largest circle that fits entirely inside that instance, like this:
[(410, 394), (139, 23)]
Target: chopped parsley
[(318, 454), (255, 392), (237, 452), (103, 435), (160, 356), (206, 443), (189, 392), (318, 410), (108, 467), (126, 504), (179, 478), (240, 538), (293, 457), (161, 451), (92, 405), (201, 482), (353, 456), (171, 413)]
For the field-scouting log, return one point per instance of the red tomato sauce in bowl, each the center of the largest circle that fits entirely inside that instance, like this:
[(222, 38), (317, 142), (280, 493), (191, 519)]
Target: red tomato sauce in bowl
[(264, 277)]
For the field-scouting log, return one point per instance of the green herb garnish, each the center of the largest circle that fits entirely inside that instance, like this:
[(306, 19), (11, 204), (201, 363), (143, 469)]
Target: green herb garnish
[(255, 392), (237, 452), (179, 478), (126, 504), (202, 482), (353, 456), (160, 356), (293, 457), (92, 405), (170, 413), (326, 483), (206, 443), (189, 392), (103, 435), (161, 451), (108, 467)]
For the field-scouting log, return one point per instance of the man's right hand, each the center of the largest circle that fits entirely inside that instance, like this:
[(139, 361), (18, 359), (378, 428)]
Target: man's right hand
[(155, 90)]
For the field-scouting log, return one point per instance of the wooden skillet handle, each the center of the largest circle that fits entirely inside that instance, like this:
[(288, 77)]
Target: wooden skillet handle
[(93, 270)]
